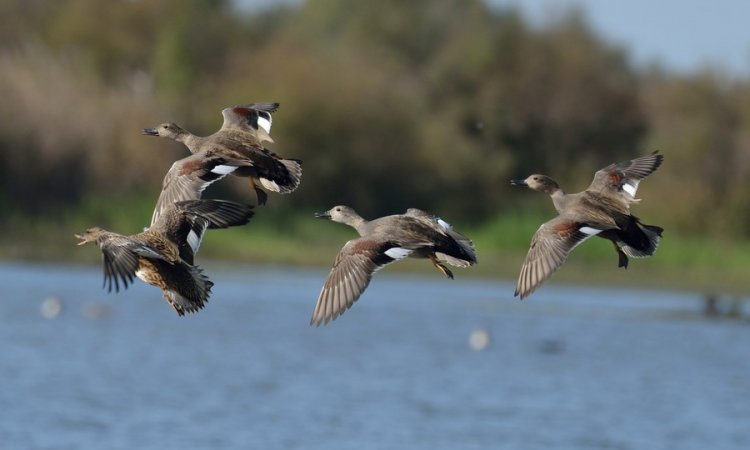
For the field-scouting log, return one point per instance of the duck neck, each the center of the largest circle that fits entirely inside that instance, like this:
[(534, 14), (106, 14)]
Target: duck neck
[(558, 198), (359, 224), (190, 140)]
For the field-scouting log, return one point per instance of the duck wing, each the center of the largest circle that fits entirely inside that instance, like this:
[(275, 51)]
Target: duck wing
[(121, 259), (250, 118), (196, 216), (217, 213), (190, 176), (352, 271), (550, 247), (623, 178)]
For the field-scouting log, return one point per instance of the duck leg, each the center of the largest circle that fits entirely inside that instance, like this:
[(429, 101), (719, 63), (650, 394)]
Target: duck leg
[(441, 267), (259, 193)]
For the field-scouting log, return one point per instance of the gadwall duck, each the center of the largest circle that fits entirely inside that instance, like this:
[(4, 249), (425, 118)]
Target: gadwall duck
[(162, 255), (382, 241), (601, 210), (241, 137)]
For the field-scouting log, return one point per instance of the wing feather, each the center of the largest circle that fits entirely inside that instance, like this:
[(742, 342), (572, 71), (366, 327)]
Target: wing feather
[(190, 176), (550, 247), (352, 271), (623, 178), (121, 259), (249, 117)]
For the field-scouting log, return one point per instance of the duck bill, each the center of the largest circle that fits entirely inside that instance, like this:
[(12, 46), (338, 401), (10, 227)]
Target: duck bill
[(150, 132), (518, 183), (323, 215)]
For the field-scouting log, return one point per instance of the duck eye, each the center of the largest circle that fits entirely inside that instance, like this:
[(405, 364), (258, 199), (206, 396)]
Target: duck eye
[(338, 209)]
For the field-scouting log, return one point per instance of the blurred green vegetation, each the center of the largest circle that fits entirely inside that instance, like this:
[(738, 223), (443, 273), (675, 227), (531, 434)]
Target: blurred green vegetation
[(390, 104)]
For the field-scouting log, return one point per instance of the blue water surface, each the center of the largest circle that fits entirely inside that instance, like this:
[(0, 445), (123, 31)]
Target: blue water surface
[(569, 368)]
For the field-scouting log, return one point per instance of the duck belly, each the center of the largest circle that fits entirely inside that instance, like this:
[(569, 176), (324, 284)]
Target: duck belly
[(149, 273)]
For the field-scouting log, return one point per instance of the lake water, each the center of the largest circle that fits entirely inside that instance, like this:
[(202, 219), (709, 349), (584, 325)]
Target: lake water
[(569, 368)]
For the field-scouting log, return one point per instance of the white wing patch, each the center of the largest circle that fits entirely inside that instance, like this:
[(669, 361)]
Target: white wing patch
[(265, 122), (444, 224), (223, 170), (204, 186), (590, 231), (194, 239), (219, 170), (630, 186), (397, 253)]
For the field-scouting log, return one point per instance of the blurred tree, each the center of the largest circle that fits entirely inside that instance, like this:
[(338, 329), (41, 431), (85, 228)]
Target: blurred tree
[(389, 104), (702, 121), (191, 47), (569, 103)]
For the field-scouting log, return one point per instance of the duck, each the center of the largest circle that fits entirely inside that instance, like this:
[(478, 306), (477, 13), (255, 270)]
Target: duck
[(602, 210), (163, 254), (241, 137), (382, 241)]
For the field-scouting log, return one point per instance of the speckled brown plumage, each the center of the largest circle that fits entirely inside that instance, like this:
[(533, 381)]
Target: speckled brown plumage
[(162, 255)]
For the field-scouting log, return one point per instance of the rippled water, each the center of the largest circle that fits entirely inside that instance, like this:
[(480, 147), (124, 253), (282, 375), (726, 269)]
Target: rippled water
[(567, 369)]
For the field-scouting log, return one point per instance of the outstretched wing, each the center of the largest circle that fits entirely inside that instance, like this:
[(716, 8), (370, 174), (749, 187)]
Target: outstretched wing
[(190, 176), (250, 118), (121, 255), (217, 213), (352, 271), (550, 247), (623, 177)]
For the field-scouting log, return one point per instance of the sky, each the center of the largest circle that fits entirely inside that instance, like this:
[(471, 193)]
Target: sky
[(683, 36)]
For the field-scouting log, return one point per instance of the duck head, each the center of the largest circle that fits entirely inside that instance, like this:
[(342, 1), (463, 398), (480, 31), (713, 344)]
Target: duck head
[(341, 214), (167, 130), (541, 183), (90, 235)]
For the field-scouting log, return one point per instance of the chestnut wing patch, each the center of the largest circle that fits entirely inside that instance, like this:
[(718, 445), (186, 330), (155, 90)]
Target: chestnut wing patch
[(249, 117), (626, 175)]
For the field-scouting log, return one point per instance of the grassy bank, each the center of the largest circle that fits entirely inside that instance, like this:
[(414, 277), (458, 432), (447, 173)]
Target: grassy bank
[(682, 262)]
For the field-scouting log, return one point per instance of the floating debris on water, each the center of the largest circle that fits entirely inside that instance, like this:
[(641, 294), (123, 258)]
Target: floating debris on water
[(551, 346), (51, 307), (479, 339)]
